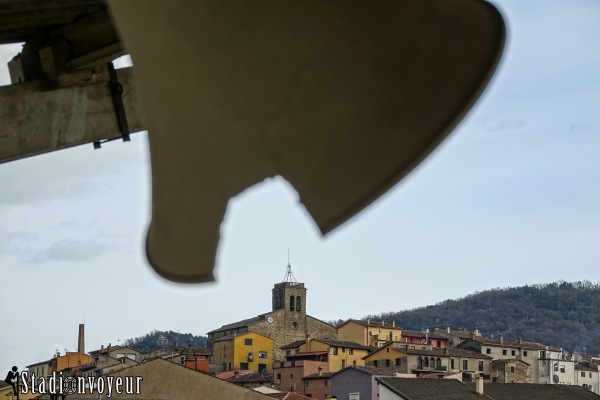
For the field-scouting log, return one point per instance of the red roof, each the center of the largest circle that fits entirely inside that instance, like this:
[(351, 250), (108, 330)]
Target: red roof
[(230, 374)]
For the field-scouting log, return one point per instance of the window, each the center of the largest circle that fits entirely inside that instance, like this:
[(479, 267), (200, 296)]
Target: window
[(343, 364), (334, 351), (288, 352), (425, 362), (388, 349), (582, 374), (294, 325), (351, 351), (452, 363), (488, 351), (248, 342), (387, 362), (298, 304), (182, 361), (562, 369), (419, 363), (480, 365), (292, 306), (512, 353), (438, 343), (326, 382), (590, 375), (354, 362), (398, 362), (525, 353), (512, 370), (244, 366), (262, 368), (353, 396), (262, 354), (503, 352), (306, 383), (343, 349), (465, 365)]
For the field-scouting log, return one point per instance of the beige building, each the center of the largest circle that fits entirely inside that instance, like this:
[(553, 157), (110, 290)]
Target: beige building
[(369, 333), (510, 370), (338, 354), (540, 357), (419, 361), (287, 322)]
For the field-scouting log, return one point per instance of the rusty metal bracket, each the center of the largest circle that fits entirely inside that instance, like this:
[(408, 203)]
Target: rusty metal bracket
[(116, 90)]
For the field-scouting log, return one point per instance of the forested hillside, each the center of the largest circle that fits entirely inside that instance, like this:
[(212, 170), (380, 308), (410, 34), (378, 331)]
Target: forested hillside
[(561, 314), (156, 339)]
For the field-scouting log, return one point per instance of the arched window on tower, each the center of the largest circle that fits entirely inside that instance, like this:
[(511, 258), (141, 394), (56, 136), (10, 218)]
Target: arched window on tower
[(298, 303), (292, 308)]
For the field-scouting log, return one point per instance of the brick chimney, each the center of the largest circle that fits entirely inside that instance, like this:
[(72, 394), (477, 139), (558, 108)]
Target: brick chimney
[(501, 338), (447, 328), (81, 339), (393, 323), (520, 340)]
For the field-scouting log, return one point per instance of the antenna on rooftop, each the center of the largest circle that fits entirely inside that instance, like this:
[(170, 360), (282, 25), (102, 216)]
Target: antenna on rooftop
[(289, 275)]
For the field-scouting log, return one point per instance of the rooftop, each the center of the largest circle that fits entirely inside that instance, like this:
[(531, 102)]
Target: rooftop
[(429, 389), (368, 370)]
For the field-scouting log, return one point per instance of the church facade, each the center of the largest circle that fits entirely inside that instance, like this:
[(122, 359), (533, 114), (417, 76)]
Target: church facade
[(287, 322)]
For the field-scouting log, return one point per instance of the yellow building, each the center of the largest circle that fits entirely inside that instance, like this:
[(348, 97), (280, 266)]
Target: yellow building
[(72, 359), (248, 350), (368, 333), (6, 392), (338, 354)]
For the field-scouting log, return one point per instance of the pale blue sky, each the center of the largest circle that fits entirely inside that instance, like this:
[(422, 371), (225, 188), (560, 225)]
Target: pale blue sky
[(512, 197)]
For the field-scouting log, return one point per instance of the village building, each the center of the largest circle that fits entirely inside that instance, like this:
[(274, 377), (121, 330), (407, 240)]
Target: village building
[(404, 359), (543, 359), (285, 323)]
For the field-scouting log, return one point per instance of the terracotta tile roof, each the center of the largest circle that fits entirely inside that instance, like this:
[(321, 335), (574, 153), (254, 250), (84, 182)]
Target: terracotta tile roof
[(429, 389), (229, 374), (450, 352), (293, 345), (251, 378), (515, 344), (369, 370), (373, 324), (534, 391), (316, 375), (343, 343), (306, 353), (430, 335)]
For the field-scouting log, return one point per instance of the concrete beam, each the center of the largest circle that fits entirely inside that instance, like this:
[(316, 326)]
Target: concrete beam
[(35, 121)]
